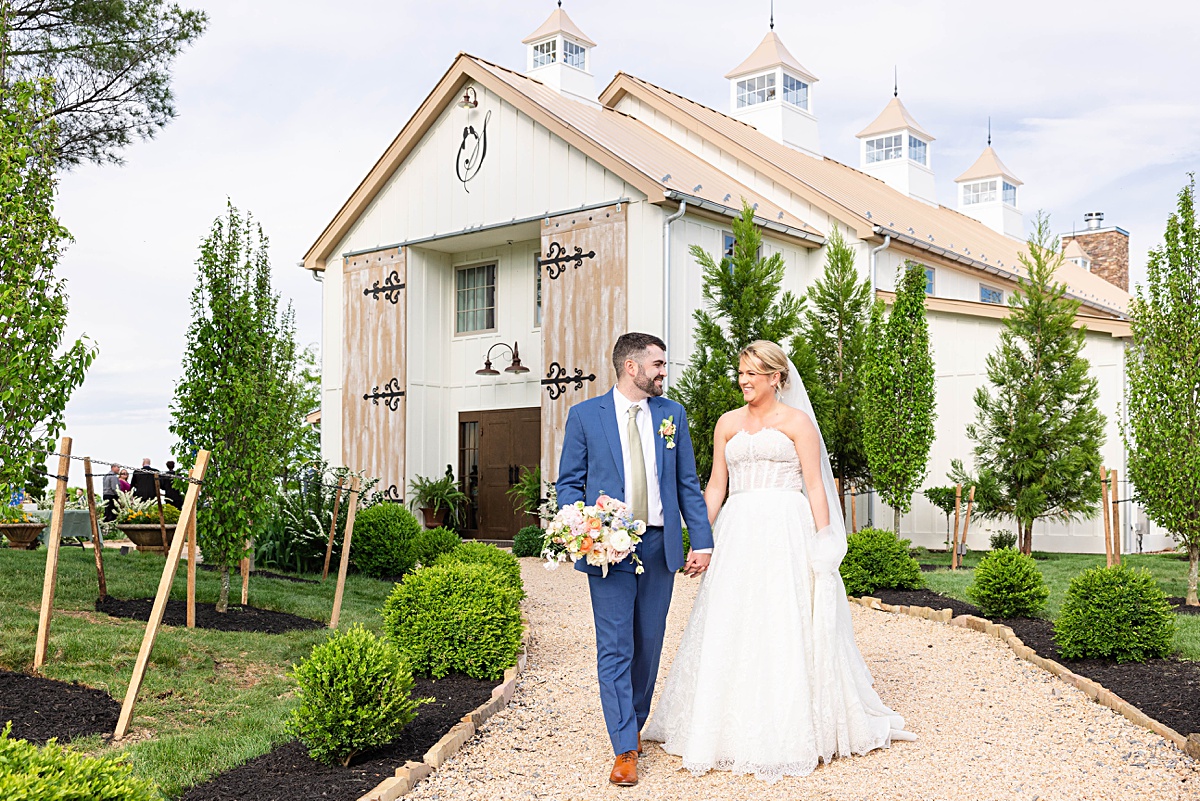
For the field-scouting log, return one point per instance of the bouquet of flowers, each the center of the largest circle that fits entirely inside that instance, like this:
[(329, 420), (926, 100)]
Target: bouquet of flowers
[(603, 534)]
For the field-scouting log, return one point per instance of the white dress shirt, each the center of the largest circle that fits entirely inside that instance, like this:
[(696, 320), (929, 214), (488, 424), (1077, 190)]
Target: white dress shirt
[(621, 404)]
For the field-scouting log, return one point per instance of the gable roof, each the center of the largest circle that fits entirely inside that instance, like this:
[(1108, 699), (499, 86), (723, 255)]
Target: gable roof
[(894, 117), (769, 53), (866, 204), (988, 165), (558, 22), (653, 164)]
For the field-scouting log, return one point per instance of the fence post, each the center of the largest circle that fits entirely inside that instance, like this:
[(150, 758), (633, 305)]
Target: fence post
[(1108, 551), (160, 601), (344, 564), (53, 541), (97, 545), (337, 499)]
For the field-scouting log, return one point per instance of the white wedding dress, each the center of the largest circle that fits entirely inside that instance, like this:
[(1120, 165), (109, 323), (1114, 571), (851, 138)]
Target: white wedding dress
[(768, 679)]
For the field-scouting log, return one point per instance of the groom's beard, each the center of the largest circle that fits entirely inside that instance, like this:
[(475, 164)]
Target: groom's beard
[(650, 386)]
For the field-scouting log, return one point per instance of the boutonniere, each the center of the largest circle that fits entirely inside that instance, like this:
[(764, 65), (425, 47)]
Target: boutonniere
[(666, 430)]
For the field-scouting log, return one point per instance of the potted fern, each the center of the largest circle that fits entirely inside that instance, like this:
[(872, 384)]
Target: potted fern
[(526, 494), (438, 499)]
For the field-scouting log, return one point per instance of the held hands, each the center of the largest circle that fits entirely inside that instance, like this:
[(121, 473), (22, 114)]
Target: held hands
[(697, 564)]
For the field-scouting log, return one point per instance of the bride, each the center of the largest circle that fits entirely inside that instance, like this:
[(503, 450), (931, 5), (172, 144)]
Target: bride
[(768, 679)]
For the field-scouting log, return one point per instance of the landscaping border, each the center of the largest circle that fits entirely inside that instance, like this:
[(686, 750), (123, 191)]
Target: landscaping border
[(1092, 689), (411, 773)]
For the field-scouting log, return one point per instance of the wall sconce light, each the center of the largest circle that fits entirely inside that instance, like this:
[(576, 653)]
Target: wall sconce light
[(515, 367), (469, 99)]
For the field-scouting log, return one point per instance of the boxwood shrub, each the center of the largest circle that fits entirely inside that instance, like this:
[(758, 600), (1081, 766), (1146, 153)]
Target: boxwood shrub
[(455, 617), (30, 773), (355, 694), (1115, 613), (378, 543), (878, 560), (431, 543), (1008, 584), (480, 553), (528, 541)]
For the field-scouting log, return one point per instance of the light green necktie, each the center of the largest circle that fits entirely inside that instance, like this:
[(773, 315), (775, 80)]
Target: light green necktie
[(637, 466)]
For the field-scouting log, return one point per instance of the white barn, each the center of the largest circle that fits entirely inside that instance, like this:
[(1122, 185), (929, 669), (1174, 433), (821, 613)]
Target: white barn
[(523, 211)]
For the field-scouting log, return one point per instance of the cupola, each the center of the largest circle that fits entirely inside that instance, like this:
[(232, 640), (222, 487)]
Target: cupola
[(772, 91), (896, 150), (987, 191), (559, 55)]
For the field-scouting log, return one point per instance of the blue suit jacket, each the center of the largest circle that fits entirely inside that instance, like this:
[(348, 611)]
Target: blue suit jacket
[(591, 465)]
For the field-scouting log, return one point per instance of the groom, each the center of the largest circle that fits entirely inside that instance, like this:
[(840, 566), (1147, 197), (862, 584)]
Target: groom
[(622, 444)]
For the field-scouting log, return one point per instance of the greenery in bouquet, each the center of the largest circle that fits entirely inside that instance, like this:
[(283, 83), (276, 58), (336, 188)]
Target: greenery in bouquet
[(602, 535), (549, 507)]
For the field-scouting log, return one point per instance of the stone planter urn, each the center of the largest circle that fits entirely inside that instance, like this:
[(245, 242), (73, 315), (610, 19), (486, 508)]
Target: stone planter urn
[(22, 536), (147, 536)]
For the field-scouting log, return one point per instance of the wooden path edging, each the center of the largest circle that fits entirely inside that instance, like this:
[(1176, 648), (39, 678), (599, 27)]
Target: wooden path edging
[(408, 776), (1093, 690)]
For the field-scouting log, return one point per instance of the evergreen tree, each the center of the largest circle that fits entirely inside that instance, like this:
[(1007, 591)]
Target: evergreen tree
[(742, 303), (1039, 434), (238, 394), (38, 369), (1162, 366), (834, 330), (898, 401)]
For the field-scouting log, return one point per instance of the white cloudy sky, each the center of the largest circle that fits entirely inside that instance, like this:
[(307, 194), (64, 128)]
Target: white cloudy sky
[(285, 104)]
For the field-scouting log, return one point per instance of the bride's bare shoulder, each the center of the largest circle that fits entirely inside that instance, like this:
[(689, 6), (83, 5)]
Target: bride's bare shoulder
[(797, 425), (729, 423)]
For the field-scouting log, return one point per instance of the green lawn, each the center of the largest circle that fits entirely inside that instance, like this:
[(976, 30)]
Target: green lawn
[(210, 700), (1059, 568)]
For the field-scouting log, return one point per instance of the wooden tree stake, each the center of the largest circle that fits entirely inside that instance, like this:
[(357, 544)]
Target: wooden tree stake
[(97, 544), (337, 499), (190, 528), (1115, 522), (853, 513), (245, 567), (954, 541), (160, 600), (344, 563), (967, 521), (53, 541), (1108, 550)]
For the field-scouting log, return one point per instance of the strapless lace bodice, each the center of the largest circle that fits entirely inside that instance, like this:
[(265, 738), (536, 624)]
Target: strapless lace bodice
[(765, 459)]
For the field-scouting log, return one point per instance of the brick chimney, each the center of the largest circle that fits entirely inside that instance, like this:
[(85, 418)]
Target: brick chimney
[(1107, 248)]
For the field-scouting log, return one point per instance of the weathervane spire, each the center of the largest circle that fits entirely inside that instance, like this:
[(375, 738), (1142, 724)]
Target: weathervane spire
[(989, 131), (772, 14), (895, 81)]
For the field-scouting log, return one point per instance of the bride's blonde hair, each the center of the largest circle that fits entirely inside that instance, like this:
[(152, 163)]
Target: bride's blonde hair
[(768, 358)]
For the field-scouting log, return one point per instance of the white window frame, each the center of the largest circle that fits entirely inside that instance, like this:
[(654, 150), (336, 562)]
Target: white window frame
[(984, 288), (545, 53), (574, 52), (1009, 193), (885, 148), (755, 90), (797, 93), (980, 192), (483, 308), (916, 144), (930, 281)]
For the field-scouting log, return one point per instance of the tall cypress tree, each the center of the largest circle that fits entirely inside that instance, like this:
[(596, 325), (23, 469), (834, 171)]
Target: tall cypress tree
[(1163, 370), (898, 401), (1038, 432), (742, 303), (834, 329)]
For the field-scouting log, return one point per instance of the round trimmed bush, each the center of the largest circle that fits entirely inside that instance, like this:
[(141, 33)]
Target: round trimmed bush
[(1002, 539), (528, 541), (480, 553), (30, 773), (431, 543), (355, 694), (1115, 613), (378, 543), (455, 617), (878, 560), (1008, 584)]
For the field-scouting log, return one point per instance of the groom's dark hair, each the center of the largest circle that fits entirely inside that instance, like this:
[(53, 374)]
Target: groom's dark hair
[(632, 345)]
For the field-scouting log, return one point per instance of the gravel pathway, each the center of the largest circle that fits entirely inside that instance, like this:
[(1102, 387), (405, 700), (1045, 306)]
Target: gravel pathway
[(991, 726)]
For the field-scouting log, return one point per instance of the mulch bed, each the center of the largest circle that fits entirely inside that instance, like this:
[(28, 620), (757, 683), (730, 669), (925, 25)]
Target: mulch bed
[(263, 574), (289, 773), (1181, 607), (238, 618), (1167, 690), (43, 708)]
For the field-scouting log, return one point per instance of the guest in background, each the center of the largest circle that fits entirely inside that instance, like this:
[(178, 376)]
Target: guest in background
[(143, 481), (108, 493), (123, 481), (171, 491)]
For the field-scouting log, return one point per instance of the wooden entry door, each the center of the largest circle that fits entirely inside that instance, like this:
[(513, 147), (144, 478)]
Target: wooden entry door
[(493, 446)]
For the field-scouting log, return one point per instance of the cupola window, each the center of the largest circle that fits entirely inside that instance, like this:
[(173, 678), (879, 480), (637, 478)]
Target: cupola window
[(1010, 194), (980, 192), (795, 91), (545, 53), (918, 150), (758, 89), (574, 55), (885, 148)]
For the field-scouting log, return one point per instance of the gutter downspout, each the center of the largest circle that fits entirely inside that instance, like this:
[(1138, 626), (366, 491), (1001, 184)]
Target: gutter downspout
[(887, 242), (667, 281)]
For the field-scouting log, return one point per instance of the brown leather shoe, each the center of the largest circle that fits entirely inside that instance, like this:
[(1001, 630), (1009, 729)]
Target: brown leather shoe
[(624, 772)]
